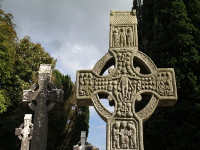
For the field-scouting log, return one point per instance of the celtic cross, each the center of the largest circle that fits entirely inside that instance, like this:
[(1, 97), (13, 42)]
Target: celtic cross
[(134, 85), (42, 97), (24, 132)]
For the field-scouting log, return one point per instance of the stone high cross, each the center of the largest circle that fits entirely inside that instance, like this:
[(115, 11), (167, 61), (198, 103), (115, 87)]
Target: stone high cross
[(24, 132), (134, 85), (42, 97)]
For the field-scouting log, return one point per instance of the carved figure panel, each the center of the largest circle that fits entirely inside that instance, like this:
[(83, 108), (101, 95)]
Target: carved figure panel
[(122, 36), (124, 134)]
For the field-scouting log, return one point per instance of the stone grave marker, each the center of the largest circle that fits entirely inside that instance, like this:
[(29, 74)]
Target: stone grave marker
[(42, 96), (82, 142), (24, 132), (133, 85)]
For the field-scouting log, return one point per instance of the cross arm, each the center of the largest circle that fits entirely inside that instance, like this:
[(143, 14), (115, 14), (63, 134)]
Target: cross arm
[(88, 83), (161, 83), (84, 82), (18, 131), (56, 95), (166, 87), (28, 95), (31, 94)]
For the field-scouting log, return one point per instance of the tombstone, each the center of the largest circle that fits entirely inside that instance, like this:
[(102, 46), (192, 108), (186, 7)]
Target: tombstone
[(82, 142), (24, 132), (133, 85), (41, 97)]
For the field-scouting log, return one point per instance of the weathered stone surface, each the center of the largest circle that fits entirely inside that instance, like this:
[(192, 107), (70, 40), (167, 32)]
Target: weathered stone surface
[(42, 97), (83, 138), (82, 142), (132, 80), (24, 132)]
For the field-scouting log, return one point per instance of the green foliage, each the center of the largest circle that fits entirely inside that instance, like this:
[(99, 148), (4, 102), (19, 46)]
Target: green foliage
[(7, 54), (137, 4), (2, 102), (81, 122), (76, 119), (30, 56), (59, 115), (169, 34)]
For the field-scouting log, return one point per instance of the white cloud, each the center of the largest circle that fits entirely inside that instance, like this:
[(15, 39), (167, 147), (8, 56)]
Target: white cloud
[(71, 58)]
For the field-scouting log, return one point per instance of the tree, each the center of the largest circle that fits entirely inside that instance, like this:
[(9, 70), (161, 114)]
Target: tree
[(137, 4), (77, 120), (169, 33), (68, 119), (7, 54), (23, 73)]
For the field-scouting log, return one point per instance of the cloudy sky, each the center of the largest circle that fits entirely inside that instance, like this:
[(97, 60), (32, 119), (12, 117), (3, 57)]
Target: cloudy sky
[(75, 32)]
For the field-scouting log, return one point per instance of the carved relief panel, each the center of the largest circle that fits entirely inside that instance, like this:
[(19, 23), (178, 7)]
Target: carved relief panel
[(124, 134), (123, 36), (123, 29)]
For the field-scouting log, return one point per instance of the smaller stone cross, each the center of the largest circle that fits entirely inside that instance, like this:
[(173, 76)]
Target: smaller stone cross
[(24, 132), (42, 97), (82, 142), (83, 137)]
